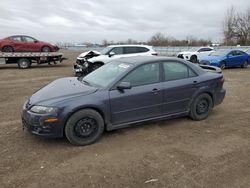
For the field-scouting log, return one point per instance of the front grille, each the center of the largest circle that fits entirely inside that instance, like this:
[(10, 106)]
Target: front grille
[(204, 62), (180, 56)]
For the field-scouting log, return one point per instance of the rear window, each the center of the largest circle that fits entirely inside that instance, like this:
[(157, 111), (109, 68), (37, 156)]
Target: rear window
[(130, 50), (16, 38), (142, 49)]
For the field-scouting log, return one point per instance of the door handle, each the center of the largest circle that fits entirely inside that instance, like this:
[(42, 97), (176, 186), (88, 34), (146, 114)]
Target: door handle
[(155, 90), (195, 82)]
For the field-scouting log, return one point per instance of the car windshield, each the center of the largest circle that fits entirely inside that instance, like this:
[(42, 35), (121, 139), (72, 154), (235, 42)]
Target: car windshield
[(106, 74), (105, 50), (219, 53)]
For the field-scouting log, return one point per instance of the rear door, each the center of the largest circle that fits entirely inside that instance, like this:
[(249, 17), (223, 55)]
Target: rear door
[(143, 100), (16, 42), (180, 83)]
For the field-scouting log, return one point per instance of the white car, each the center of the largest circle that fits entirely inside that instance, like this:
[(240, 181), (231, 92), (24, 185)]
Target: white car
[(91, 60), (196, 55)]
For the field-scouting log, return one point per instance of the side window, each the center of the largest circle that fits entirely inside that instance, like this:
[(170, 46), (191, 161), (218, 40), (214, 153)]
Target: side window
[(130, 50), (231, 53), (239, 53), (201, 50), (205, 50), (117, 50), (142, 49), (176, 71), (208, 49), (16, 38), (143, 75), (28, 39)]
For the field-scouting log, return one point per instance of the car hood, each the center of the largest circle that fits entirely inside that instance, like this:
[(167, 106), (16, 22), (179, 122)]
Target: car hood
[(89, 54), (59, 90), (187, 52), (213, 58)]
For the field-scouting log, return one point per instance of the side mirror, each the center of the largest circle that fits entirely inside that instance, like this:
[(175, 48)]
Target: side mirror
[(111, 54), (124, 85)]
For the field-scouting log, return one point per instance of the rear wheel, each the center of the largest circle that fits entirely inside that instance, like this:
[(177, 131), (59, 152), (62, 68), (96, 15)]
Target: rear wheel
[(45, 49), (244, 64), (201, 107), (7, 49), (23, 63), (84, 127)]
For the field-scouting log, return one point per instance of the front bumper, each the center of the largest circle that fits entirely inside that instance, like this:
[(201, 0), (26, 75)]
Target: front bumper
[(183, 56), (219, 96), (35, 124), (81, 67)]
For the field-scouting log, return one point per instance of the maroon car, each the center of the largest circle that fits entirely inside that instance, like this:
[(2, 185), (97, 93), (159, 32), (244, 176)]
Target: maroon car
[(22, 43)]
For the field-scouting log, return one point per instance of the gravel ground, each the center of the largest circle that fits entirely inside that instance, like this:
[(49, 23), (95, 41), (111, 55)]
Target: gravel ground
[(174, 153)]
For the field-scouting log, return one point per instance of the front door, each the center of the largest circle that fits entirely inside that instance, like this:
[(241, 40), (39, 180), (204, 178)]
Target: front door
[(143, 100)]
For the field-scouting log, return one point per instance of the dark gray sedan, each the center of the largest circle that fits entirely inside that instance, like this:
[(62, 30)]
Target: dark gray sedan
[(121, 93)]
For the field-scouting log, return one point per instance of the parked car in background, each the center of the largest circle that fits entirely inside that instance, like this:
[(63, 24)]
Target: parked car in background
[(22, 43), (120, 93), (195, 55), (227, 58), (91, 60)]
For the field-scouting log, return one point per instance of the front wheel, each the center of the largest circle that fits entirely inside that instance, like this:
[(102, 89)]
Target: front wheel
[(84, 127), (194, 59), (45, 49), (201, 107), (222, 65)]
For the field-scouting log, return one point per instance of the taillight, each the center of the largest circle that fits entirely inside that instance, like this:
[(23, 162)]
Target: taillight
[(154, 54)]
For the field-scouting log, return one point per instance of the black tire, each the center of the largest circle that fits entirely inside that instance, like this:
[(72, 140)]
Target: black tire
[(23, 63), (7, 49), (84, 127), (95, 66), (193, 59), (244, 64), (222, 65), (201, 107), (45, 49)]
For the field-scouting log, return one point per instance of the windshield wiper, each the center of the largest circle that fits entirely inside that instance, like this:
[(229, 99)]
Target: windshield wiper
[(86, 82)]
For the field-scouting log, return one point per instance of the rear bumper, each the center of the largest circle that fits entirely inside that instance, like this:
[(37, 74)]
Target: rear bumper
[(219, 97)]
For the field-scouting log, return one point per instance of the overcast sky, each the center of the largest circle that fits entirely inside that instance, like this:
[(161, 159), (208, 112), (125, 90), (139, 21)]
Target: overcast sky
[(95, 20)]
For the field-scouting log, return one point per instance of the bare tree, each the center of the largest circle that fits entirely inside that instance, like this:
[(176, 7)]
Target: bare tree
[(236, 27)]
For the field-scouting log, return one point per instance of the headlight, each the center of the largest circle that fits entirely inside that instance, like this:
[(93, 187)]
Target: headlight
[(214, 61), (43, 109)]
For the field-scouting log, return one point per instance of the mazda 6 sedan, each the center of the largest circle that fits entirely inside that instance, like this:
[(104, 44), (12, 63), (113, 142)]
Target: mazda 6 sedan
[(121, 93), (22, 43)]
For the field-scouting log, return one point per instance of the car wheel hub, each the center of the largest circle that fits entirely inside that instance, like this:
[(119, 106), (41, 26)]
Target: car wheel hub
[(85, 127), (202, 106)]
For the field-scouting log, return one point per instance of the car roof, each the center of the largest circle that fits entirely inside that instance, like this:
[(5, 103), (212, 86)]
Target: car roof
[(138, 60), (130, 45), (19, 36)]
